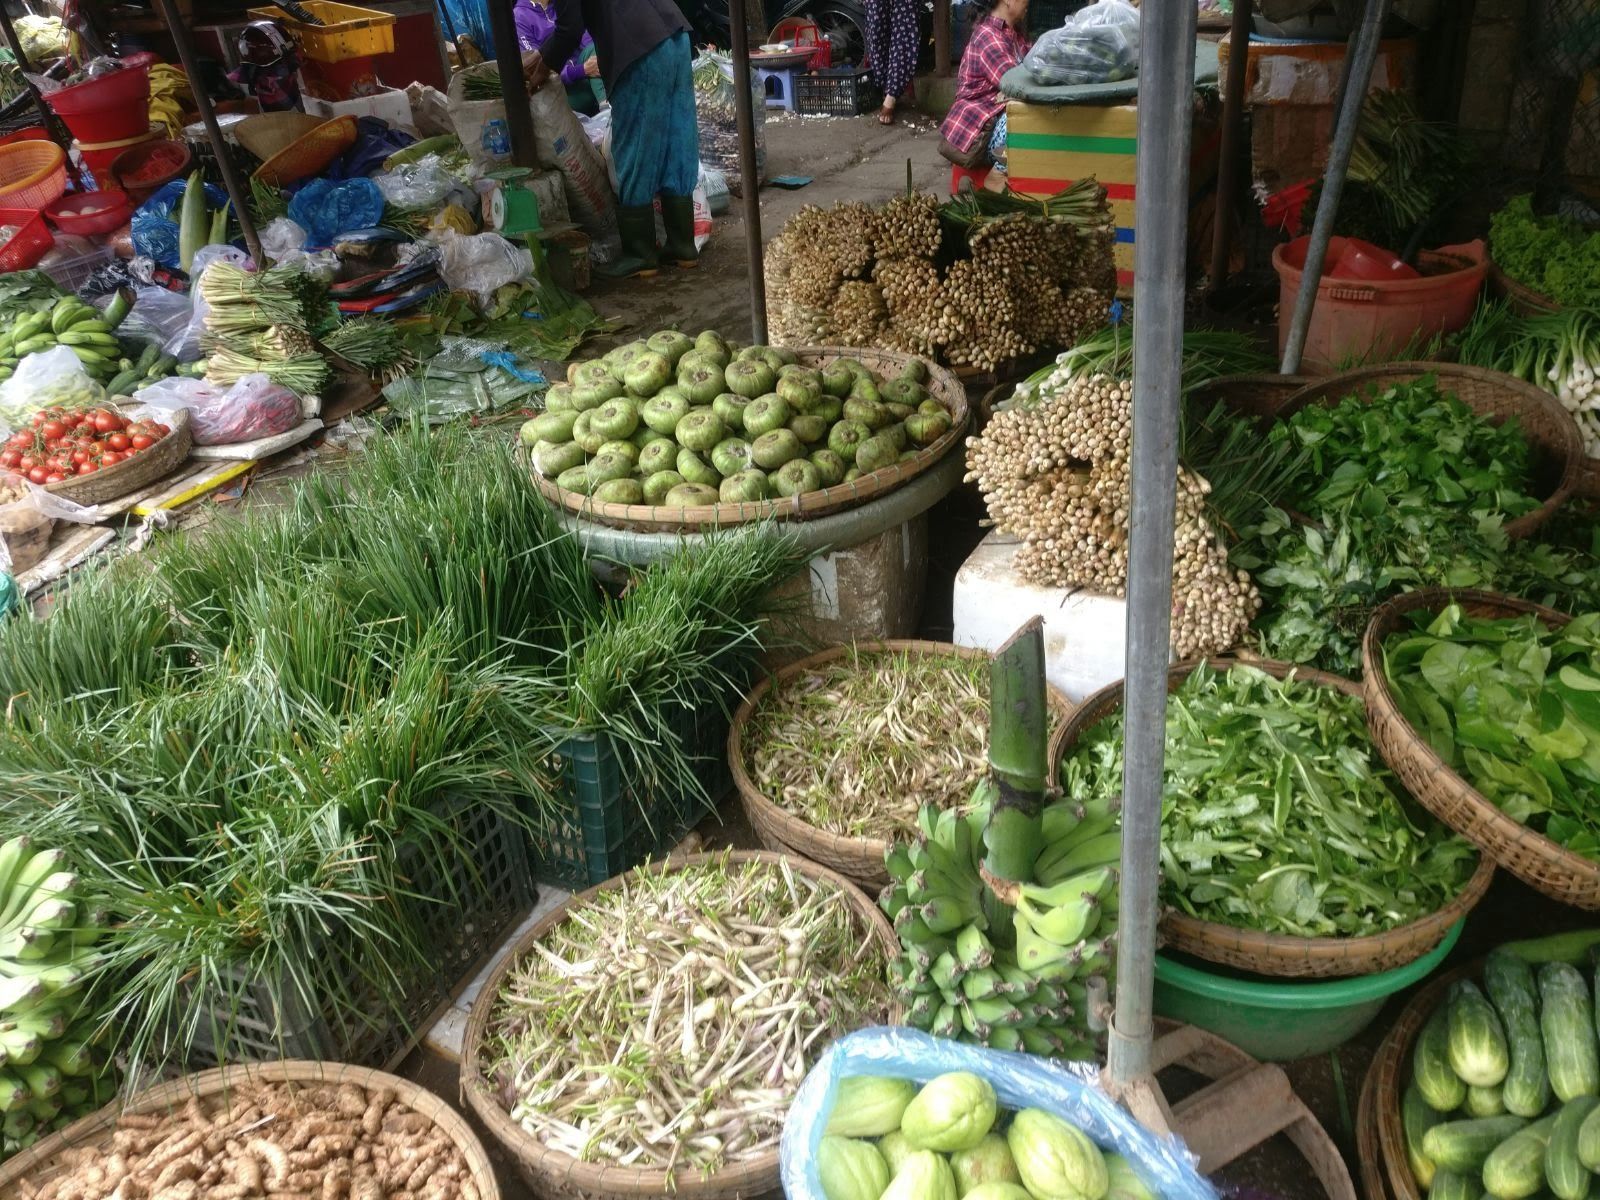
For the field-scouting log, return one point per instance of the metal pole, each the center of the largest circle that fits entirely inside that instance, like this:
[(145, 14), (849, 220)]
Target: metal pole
[(749, 175), (237, 192), (513, 85), (1361, 57), (1229, 154), (1166, 96), (52, 123)]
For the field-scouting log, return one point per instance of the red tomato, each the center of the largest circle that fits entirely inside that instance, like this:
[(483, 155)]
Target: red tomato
[(88, 468), (139, 441), (159, 429), (110, 458), (79, 457), (118, 441), (53, 429), (106, 422), (27, 462), (10, 458), (22, 439), (38, 474), (54, 477)]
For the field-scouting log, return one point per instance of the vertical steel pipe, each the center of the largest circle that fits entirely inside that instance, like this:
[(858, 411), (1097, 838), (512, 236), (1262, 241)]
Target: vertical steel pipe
[(238, 193), (749, 175), (1166, 97), (513, 86), (1362, 55), (1231, 152)]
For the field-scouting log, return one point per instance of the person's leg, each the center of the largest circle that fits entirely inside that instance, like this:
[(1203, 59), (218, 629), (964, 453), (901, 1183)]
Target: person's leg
[(997, 144), (680, 169), (880, 46), (636, 151), (904, 39)]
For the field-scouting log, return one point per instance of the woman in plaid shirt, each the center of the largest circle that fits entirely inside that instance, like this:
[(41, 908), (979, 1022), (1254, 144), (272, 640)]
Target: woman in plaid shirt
[(997, 44)]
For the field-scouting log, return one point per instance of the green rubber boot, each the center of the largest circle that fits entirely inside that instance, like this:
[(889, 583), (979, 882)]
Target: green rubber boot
[(677, 214), (637, 227)]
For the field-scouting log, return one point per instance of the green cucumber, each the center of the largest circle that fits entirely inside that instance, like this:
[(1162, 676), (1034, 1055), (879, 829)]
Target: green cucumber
[(147, 357), (1416, 1118), (1589, 1141), (1477, 1043), (1449, 1185), (1566, 1020), (1509, 981), (1515, 1168), (1440, 1086), (1464, 1145), (1571, 947), (1564, 1172), (1484, 1101)]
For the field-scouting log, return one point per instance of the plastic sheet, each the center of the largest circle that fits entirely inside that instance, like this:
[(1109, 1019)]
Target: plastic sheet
[(479, 263), (27, 521), (1020, 1080), (51, 378), (252, 408), (155, 232), (422, 184), (1098, 44), (158, 316), (714, 100), (325, 209)]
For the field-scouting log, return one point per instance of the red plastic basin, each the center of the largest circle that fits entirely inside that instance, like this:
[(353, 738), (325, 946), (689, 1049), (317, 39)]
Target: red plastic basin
[(89, 213), (106, 109), (1366, 320)]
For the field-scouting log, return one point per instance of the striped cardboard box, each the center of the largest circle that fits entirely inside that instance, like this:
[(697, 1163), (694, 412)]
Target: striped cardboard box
[(1050, 146)]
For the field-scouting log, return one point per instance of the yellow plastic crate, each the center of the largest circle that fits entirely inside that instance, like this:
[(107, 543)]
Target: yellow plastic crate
[(346, 31)]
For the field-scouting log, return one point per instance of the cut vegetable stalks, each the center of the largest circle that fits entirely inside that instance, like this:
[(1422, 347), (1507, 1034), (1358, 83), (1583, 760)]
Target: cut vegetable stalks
[(1559, 352)]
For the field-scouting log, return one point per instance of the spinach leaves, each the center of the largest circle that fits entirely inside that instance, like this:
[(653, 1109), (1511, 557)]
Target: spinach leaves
[(1278, 814)]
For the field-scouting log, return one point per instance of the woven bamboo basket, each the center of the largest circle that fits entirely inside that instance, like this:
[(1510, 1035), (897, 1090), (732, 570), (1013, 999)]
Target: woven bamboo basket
[(1259, 395), (1551, 432), (860, 859), (1272, 953), (942, 386), (149, 465), (553, 1174), (308, 154), (266, 134), (40, 1163), (1531, 857), (1524, 301), (1380, 1135)]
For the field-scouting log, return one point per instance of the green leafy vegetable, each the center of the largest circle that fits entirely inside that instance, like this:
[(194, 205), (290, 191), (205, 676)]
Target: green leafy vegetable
[(1277, 813), (1514, 707), (1554, 256)]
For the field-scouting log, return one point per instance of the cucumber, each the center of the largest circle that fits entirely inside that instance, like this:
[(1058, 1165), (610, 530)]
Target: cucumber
[(1515, 1168), (124, 383), (1464, 1145), (1589, 1141), (1566, 1021), (119, 308), (1416, 1118), (1477, 1042), (1509, 981), (147, 357), (1571, 947), (162, 367), (1564, 1172), (1440, 1086), (1449, 1185), (1484, 1101)]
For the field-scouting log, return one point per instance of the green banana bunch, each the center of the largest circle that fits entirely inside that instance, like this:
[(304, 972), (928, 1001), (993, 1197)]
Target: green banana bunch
[(71, 323), (1020, 984), (50, 1071)]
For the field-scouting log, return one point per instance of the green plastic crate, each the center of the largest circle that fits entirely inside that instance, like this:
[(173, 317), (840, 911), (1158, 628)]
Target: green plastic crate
[(606, 825)]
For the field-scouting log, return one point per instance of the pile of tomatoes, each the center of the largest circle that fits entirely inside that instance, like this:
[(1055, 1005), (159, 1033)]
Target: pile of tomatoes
[(62, 443)]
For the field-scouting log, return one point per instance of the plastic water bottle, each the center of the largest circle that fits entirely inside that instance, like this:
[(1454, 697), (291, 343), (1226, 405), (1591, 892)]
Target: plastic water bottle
[(496, 137)]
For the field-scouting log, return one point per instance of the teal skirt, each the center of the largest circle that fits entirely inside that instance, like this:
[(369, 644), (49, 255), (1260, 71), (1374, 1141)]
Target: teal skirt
[(655, 140)]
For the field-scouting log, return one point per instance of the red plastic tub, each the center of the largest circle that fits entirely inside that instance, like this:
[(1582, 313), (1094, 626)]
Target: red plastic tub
[(1368, 320), (107, 109), (29, 244), (100, 158), (90, 213)]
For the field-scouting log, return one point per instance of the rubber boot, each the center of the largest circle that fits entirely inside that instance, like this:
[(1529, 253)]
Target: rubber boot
[(677, 214), (637, 227)]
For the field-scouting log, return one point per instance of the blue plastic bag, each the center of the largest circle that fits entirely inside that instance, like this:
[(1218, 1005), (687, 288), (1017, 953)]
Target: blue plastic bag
[(155, 233), (325, 209), (1020, 1081)]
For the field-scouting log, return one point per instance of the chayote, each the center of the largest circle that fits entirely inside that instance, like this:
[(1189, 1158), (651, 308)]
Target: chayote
[(989, 1161), (1057, 1161), (923, 1176), (868, 1106), (851, 1169), (952, 1112)]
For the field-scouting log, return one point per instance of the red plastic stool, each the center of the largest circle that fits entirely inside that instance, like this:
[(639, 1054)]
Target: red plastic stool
[(977, 175), (799, 33)]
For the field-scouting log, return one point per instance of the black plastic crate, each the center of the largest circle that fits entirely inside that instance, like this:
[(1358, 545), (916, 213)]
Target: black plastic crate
[(608, 823), (835, 92), (463, 919)]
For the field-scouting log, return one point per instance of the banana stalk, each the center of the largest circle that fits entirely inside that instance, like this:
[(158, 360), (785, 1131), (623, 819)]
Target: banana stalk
[(1018, 758)]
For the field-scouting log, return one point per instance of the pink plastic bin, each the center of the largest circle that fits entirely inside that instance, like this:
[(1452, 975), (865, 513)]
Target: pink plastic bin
[(1369, 320)]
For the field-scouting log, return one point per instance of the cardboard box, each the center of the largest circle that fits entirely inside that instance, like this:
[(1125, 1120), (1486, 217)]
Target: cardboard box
[(1298, 73), (390, 105)]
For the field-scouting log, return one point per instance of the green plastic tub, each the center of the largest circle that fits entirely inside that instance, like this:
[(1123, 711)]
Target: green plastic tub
[(1275, 1021)]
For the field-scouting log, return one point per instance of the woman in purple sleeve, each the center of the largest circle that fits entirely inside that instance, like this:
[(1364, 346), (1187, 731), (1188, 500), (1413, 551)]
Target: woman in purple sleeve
[(536, 21)]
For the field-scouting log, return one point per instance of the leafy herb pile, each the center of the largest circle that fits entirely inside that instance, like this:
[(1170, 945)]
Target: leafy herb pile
[(239, 741), (1559, 352), (1553, 255), (1277, 814), (1514, 707)]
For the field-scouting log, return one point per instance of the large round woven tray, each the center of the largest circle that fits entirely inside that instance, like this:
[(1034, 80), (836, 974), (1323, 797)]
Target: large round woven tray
[(39, 1164), (1551, 432), (1272, 953), (1381, 1141), (550, 1173), (860, 859), (1530, 856), (149, 465), (942, 386), (1260, 395), (1523, 299)]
